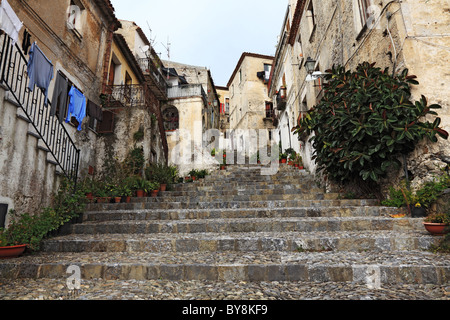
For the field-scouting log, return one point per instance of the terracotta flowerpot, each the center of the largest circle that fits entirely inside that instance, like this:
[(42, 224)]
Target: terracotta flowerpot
[(283, 160), (101, 199), (89, 196), (436, 229), (139, 193), (163, 187), (222, 167), (290, 163), (154, 193), (300, 167), (125, 199), (12, 251), (117, 199)]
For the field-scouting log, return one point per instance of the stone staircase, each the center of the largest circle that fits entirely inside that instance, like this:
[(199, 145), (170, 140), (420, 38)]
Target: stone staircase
[(238, 225)]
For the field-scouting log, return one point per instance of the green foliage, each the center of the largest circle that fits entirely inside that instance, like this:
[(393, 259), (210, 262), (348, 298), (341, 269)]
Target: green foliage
[(162, 173), (365, 121), (32, 229), (425, 195)]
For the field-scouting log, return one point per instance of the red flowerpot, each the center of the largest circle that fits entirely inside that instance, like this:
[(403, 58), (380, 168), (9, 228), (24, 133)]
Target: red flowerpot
[(12, 251), (117, 199), (301, 167), (154, 193), (139, 193), (163, 187), (283, 160), (436, 229)]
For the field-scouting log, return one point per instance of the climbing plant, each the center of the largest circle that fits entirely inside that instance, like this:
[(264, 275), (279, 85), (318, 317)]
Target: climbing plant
[(365, 120)]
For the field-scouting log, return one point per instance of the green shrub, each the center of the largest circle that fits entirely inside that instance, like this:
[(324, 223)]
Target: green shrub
[(364, 121)]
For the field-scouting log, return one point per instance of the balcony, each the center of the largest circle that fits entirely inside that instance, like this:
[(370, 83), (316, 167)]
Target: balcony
[(156, 80), (187, 90), (281, 99), (125, 96)]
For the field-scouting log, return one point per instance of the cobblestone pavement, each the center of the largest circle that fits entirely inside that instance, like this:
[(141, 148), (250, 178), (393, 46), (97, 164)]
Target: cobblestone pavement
[(47, 289)]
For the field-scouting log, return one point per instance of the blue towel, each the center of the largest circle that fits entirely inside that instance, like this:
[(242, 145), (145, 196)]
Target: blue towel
[(77, 106), (40, 70)]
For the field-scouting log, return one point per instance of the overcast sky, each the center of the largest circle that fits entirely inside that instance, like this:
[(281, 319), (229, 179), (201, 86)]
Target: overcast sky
[(208, 33)]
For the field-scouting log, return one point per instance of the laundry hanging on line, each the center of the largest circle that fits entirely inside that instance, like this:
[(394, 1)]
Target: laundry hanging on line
[(40, 70), (9, 22), (77, 106), (59, 97)]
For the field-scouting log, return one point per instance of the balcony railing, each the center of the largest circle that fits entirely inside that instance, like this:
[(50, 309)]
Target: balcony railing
[(53, 133), (187, 90), (125, 96), (158, 81)]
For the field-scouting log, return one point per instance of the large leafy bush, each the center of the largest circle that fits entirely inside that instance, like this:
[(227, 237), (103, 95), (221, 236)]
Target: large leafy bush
[(364, 121)]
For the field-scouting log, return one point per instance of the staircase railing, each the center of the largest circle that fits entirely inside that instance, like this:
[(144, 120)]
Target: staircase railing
[(13, 68)]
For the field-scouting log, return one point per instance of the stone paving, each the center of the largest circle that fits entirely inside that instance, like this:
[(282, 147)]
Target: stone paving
[(236, 235)]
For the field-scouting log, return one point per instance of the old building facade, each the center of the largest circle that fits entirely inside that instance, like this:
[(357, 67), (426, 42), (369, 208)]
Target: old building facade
[(54, 87), (191, 111), (250, 105), (395, 34)]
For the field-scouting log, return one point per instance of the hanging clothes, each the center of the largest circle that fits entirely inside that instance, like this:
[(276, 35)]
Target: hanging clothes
[(9, 22), (40, 70), (59, 99), (77, 106), (94, 111), (26, 42)]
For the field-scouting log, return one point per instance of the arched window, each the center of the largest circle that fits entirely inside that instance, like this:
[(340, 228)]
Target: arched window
[(171, 119)]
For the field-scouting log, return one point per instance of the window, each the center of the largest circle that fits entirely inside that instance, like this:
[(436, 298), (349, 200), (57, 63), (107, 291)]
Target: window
[(75, 15), (311, 19), (363, 16), (227, 105), (267, 69), (171, 119), (107, 125)]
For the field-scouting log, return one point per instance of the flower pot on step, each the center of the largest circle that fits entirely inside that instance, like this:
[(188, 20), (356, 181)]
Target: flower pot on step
[(12, 251), (437, 229)]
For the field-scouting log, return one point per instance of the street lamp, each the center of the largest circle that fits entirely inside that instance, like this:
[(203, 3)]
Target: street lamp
[(310, 65)]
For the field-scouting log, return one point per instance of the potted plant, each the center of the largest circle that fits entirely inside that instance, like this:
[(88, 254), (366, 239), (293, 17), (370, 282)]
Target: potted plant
[(153, 187), (141, 187), (193, 174), (283, 157), (437, 223), (7, 249)]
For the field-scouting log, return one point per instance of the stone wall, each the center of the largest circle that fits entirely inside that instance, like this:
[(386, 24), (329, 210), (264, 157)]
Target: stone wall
[(410, 34)]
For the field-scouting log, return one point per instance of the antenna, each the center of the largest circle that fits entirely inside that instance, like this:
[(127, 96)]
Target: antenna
[(167, 47), (152, 41)]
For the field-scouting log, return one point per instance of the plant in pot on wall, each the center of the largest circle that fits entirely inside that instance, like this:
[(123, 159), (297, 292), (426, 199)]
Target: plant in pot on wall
[(153, 187), (141, 187)]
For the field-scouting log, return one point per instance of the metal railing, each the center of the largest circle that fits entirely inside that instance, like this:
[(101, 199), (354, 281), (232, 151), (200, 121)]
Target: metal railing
[(125, 96), (187, 90), (13, 68), (148, 67)]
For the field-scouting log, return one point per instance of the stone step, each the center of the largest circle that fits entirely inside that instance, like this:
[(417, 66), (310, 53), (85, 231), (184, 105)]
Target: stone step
[(379, 240), (243, 225), (115, 212), (238, 192), (148, 203), (393, 267), (165, 197)]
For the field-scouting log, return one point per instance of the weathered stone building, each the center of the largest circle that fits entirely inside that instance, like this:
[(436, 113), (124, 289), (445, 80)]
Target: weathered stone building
[(250, 105), (74, 46), (191, 110), (408, 34)]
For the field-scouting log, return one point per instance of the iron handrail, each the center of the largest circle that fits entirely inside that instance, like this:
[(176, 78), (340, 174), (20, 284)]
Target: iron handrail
[(51, 131)]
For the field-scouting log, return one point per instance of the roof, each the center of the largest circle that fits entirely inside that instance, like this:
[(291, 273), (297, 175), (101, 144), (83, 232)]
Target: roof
[(296, 21), (243, 56), (108, 10)]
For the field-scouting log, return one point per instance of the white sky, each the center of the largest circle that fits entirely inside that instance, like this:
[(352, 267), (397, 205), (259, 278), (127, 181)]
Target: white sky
[(208, 33)]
